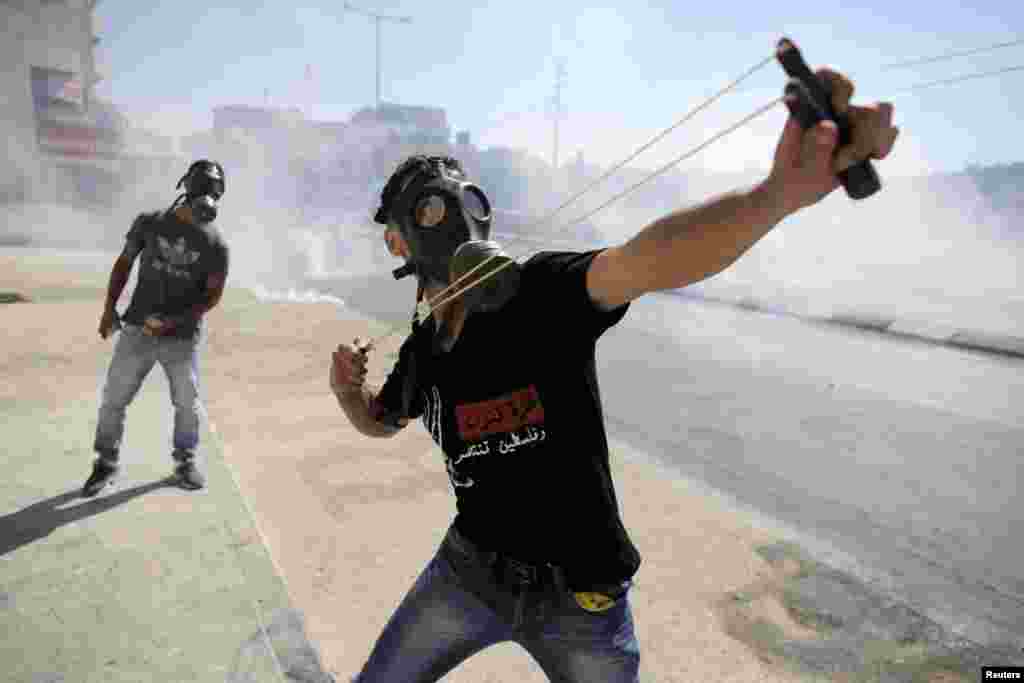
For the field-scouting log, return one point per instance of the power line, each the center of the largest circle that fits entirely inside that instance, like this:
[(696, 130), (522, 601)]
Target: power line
[(934, 58), (675, 162), (957, 79), (650, 143), (560, 77), (950, 55)]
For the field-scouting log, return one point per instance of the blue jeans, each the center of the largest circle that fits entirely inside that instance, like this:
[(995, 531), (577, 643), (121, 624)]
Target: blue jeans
[(457, 608), (134, 356)]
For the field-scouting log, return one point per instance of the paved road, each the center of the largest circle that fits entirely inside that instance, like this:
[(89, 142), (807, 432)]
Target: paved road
[(901, 461)]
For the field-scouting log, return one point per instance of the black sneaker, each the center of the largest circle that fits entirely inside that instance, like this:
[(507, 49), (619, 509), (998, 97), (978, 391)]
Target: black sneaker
[(103, 473), (189, 475)]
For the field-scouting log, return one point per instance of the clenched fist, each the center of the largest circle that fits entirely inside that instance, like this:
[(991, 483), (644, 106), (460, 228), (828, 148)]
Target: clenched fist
[(348, 368), (159, 326), (110, 322)]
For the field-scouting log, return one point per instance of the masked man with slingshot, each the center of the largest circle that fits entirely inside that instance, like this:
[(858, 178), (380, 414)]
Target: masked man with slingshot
[(503, 378)]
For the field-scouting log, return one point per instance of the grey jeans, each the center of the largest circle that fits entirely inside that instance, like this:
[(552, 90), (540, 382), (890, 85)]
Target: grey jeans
[(134, 356)]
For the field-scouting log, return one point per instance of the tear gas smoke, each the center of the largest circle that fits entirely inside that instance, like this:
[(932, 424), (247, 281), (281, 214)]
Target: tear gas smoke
[(925, 247)]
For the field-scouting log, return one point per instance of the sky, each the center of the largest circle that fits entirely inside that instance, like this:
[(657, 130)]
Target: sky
[(631, 69)]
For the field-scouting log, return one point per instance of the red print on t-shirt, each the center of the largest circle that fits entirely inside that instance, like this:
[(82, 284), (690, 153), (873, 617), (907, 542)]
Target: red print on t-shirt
[(499, 415)]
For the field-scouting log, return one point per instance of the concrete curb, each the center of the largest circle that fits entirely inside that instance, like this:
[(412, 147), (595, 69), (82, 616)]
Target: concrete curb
[(974, 340), (936, 333)]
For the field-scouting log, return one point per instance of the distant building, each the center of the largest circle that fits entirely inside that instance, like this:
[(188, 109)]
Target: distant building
[(62, 142), (334, 131), (321, 167), (405, 123), (255, 119)]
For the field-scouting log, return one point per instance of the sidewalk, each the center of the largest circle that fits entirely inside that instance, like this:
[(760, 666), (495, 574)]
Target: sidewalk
[(147, 581)]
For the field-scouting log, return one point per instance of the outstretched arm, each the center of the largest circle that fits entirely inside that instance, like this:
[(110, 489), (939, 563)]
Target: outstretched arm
[(684, 247), (692, 244)]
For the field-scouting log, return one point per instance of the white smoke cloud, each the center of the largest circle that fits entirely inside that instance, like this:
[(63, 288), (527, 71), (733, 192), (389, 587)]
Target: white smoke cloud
[(919, 249), (295, 296)]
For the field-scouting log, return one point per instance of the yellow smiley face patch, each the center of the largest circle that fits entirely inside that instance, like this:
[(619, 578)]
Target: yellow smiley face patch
[(594, 602)]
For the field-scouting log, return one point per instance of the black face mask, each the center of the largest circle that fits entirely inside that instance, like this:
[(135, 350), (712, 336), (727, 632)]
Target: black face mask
[(204, 186), (204, 208), (446, 221)]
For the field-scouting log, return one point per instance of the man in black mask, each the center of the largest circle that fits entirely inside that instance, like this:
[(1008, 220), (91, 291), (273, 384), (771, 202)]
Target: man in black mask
[(504, 381), (183, 265)]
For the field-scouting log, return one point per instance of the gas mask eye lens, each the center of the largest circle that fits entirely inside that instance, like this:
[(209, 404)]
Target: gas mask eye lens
[(206, 184), (430, 211), (476, 204)]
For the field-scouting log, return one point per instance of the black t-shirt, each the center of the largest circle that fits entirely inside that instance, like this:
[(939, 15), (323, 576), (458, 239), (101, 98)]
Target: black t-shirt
[(175, 259), (516, 410)]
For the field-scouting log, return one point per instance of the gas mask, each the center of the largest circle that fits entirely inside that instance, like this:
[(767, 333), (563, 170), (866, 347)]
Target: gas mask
[(446, 221), (204, 186)]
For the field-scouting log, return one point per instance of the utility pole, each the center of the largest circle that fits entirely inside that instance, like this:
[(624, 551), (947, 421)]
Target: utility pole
[(377, 19), (560, 77), (307, 99)]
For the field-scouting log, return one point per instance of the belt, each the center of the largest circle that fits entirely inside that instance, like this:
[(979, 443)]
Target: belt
[(526, 574), (505, 568)]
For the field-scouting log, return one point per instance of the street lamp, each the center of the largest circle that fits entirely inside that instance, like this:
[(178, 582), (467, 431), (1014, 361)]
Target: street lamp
[(377, 19)]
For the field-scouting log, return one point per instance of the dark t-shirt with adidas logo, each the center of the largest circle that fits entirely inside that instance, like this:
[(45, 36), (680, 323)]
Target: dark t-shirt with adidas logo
[(515, 408), (175, 260)]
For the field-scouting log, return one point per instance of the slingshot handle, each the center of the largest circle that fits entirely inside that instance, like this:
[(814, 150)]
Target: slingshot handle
[(811, 102)]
